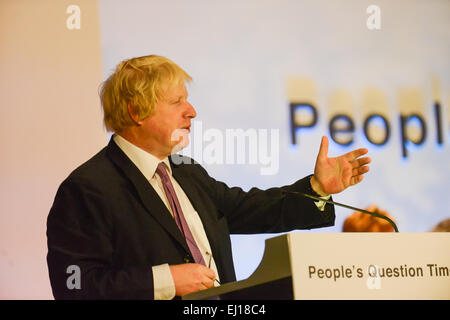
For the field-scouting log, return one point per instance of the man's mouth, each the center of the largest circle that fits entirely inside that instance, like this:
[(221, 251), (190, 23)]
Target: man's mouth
[(188, 128)]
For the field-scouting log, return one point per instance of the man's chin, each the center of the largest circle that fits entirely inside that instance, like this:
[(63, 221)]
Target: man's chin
[(181, 136), (183, 143)]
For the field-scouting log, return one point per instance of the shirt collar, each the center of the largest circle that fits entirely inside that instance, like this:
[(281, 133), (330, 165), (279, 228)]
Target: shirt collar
[(144, 161)]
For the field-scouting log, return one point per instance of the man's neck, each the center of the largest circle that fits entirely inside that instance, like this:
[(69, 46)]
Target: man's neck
[(133, 138)]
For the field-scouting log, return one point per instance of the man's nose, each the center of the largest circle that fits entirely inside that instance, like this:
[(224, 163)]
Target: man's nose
[(191, 111)]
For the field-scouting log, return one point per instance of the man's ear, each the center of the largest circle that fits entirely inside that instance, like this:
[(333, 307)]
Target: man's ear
[(133, 115)]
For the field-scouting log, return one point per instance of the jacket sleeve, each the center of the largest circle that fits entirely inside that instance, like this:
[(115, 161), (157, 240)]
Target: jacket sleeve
[(267, 211), (80, 249)]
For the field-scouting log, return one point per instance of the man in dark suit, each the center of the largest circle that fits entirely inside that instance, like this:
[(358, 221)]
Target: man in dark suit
[(137, 224)]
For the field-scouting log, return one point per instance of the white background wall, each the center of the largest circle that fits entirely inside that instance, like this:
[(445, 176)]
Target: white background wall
[(50, 123), (246, 58)]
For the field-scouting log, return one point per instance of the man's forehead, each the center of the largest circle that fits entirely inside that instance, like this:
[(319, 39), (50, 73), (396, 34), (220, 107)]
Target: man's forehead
[(176, 90)]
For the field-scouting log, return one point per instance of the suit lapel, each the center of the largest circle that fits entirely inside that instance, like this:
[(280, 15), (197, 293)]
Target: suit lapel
[(147, 194)]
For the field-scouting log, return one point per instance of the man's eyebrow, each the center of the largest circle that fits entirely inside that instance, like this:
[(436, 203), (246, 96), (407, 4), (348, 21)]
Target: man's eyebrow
[(182, 95), (176, 96)]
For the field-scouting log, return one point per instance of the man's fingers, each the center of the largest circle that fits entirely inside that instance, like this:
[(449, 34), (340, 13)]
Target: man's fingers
[(323, 150), (360, 162), (209, 273), (352, 155), (207, 283), (191, 277), (356, 179), (360, 170), (208, 277)]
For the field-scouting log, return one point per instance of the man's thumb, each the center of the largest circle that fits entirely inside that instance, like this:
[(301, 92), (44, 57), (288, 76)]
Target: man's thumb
[(323, 151)]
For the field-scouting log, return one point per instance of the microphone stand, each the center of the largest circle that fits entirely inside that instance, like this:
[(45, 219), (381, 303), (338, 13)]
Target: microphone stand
[(348, 207)]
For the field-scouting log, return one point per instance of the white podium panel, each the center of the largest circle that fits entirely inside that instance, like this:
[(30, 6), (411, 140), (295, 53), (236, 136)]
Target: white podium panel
[(370, 265)]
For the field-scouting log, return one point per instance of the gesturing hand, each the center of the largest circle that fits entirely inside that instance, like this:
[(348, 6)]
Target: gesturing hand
[(333, 175)]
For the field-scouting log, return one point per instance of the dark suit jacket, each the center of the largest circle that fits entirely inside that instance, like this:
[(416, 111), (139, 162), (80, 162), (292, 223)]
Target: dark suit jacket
[(108, 220)]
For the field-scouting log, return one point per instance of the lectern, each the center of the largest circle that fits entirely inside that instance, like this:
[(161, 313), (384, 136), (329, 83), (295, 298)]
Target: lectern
[(345, 266)]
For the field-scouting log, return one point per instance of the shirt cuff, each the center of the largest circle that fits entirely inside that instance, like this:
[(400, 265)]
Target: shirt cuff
[(321, 204), (164, 287)]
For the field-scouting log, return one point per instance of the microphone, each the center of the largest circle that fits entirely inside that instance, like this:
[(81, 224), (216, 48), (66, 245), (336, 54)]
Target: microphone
[(346, 206)]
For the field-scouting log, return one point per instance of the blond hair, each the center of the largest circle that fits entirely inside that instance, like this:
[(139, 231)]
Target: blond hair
[(141, 83)]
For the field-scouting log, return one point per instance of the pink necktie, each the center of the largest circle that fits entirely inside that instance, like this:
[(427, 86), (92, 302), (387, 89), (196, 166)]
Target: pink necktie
[(178, 213)]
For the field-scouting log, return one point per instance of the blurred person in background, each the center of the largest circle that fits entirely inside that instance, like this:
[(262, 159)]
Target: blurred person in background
[(443, 226)]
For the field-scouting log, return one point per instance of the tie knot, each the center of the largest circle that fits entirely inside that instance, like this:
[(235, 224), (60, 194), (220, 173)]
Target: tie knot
[(161, 170)]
